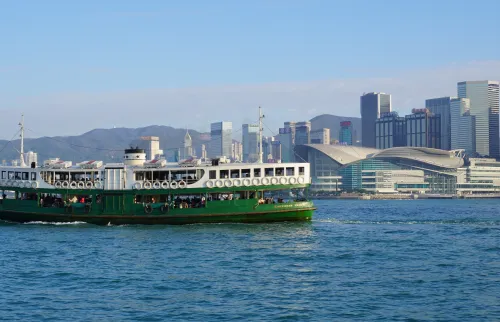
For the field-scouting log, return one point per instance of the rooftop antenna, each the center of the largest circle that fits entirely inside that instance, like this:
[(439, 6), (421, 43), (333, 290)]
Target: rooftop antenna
[(261, 116), (23, 164)]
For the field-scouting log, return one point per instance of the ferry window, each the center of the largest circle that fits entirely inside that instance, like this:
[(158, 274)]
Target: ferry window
[(290, 171), (280, 171), (256, 173), (301, 171), (26, 175), (269, 172), (235, 173), (224, 174), (245, 173), (33, 176), (139, 176), (11, 175), (18, 175), (212, 174), (4, 174)]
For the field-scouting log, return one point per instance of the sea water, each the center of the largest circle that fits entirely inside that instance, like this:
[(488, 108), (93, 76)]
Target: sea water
[(413, 260)]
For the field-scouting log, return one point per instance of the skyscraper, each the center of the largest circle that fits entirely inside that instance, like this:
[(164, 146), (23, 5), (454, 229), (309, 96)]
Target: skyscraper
[(484, 105), (390, 131), (441, 106), (221, 139), (345, 133), (460, 125), (287, 148), (302, 133), (321, 136), (188, 146), (423, 129), (250, 142), (371, 106)]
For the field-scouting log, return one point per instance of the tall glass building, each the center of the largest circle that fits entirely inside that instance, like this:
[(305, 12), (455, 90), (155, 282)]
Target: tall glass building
[(441, 106), (484, 105), (423, 129), (371, 106), (345, 133), (221, 139), (390, 131), (250, 142)]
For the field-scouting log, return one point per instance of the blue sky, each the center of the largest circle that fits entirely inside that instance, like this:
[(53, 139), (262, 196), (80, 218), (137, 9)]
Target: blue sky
[(84, 55)]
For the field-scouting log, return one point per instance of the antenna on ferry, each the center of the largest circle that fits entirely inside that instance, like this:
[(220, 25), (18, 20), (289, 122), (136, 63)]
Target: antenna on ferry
[(260, 134), (23, 164)]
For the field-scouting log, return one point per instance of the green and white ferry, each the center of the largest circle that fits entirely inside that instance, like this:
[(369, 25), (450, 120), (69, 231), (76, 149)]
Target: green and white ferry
[(140, 191)]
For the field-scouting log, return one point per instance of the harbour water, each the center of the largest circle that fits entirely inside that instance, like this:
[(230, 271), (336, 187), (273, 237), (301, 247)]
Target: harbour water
[(412, 260)]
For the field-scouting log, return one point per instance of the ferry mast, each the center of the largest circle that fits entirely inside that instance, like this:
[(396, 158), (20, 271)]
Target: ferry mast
[(23, 164), (260, 135)]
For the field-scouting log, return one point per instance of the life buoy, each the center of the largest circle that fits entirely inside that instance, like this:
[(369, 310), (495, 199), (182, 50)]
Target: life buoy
[(302, 180), (274, 180), (89, 185), (182, 184), (137, 186), (265, 181), (293, 180), (237, 182), (148, 209), (157, 185), (147, 185), (72, 185), (283, 180), (27, 184), (2, 183), (219, 183), (34, 185), (98, 184), (209, 184), (165, 208), (173, 185), (81, 185), (57, 184), (164, 185), (246, 182), (14, 183), (256, 181), (228, 183), (65, 184)]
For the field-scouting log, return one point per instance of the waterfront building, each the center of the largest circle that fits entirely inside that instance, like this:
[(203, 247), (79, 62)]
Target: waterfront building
[(267, 148), (372, 105), (302, 133), (484, 105), (291, 126), (203, 151), (188, 146), (480, 176), (460, 137), (250, 142), (394, 181), (467, 134), (276, 155), (441, 106), (346, 136), (321, 136), (390, 131), (236, 150), (287, 146), (221, 139), (423, 129), (152, 146), (346, 165)]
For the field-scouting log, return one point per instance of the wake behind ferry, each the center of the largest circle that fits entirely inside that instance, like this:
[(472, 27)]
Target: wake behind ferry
[(140, 191)]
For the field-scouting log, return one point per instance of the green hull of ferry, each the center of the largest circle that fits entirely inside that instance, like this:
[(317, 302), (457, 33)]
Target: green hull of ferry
[(122, 208)]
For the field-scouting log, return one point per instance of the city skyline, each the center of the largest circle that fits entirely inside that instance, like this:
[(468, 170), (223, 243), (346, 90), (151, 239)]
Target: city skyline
[(217, 59)]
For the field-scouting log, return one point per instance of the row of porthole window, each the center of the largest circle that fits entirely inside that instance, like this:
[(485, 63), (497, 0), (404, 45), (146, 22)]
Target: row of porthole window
[(257, 173)]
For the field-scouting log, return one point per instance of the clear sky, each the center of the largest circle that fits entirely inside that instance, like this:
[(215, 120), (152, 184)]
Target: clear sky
[(188, 63)]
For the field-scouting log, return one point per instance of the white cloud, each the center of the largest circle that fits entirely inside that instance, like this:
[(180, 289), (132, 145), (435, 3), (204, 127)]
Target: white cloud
[(75, 113)]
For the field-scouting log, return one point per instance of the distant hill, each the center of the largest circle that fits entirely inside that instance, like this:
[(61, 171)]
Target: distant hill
[(100, 144), (332, 122)]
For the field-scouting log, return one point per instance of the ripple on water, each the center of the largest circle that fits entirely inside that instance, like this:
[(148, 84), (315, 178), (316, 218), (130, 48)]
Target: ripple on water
[(357, 260)]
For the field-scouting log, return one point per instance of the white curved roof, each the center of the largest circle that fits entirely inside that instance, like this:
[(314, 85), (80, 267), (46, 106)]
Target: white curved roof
[(440, 158), (343, 154)]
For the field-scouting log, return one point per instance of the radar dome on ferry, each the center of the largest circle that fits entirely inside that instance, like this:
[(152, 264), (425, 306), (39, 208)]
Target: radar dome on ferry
[(134, 156)]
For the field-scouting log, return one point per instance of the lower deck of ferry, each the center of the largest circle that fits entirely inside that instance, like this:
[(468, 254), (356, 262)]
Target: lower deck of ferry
[(155, 207)]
